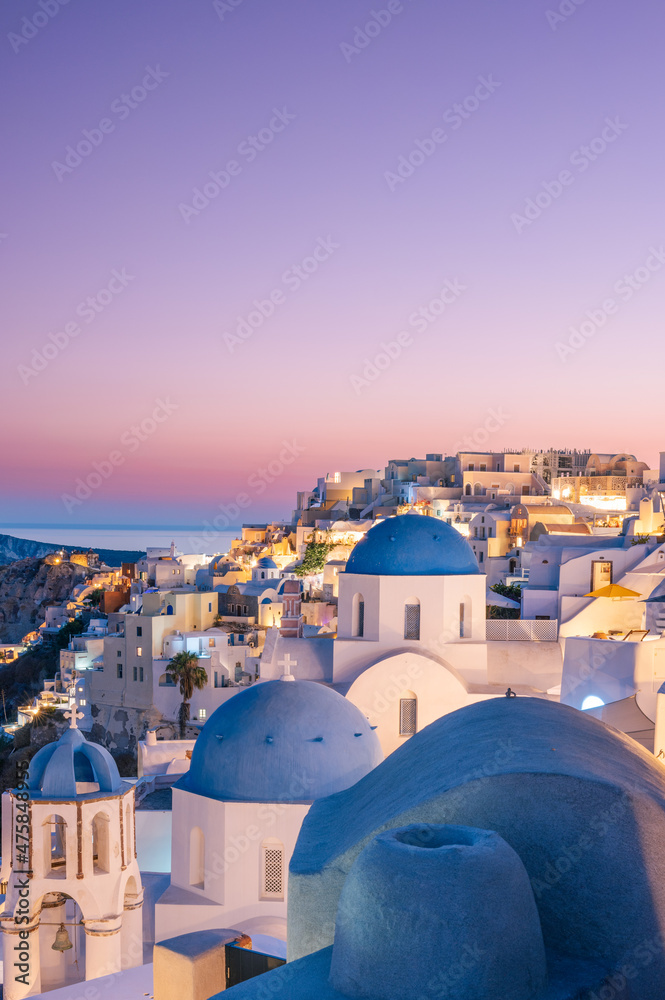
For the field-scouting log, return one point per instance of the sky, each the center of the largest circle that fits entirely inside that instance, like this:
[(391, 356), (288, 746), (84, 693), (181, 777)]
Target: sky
[(316, 235)]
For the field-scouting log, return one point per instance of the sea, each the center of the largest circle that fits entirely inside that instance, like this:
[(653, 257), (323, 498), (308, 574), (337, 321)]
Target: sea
[(193, 539)]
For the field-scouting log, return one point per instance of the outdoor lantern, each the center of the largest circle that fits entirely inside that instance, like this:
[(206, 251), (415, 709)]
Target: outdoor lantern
[(62, 942)]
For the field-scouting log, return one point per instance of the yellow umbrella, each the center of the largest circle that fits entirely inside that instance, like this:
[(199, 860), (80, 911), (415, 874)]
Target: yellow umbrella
[(613, 590)]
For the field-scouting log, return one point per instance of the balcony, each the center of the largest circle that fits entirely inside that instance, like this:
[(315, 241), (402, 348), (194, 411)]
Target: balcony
[(522, 630)]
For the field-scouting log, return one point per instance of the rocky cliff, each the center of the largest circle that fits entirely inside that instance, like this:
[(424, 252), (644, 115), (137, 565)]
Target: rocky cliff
[(26, 587), (13, 549)]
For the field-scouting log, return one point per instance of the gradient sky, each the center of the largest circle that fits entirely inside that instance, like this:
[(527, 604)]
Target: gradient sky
[(323, 177)]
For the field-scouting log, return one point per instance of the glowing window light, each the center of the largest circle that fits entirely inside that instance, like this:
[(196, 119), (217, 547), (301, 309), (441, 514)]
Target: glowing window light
[(592, 701)]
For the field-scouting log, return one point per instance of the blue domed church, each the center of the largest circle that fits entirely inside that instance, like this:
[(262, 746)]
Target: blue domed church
[(411, 627), (261, 760)]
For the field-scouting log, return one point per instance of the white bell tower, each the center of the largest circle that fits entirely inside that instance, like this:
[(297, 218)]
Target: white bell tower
[(73, 908)]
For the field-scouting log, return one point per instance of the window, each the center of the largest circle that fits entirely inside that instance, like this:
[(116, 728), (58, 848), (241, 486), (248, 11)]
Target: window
[(467, 489), (407, 716), (202, 713), (209, 605), (465, 614), (141, 674), (139, 651), (119, 652), (244, 609), (119, 671), (483, 467), (358, 616), (55, 847), (475, 532), (197, 858), (481, 557), (211, 642), (471, 467), (516, 468), (601, 573), (477, 489), (272, 869), (139, 631), (136, 673), (100, 844), (490, 532), (412, 619)]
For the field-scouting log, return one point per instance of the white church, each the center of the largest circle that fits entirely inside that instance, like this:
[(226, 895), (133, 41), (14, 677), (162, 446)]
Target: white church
[(411, 641)]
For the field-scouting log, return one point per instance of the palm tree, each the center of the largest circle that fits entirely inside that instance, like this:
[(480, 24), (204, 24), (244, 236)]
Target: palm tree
[(186, 670)]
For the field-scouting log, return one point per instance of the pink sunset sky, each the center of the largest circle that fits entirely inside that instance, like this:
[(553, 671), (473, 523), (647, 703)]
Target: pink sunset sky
[(466, 183)]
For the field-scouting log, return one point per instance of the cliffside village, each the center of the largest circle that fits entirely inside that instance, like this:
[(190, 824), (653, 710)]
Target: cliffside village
[(390, 601), (560, 526)]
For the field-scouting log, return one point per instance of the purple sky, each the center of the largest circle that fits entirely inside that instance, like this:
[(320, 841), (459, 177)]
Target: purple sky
[(328, 179)]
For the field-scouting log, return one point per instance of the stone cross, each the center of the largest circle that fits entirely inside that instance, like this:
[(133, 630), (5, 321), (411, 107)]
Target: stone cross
[(286, 662), (73, 714)]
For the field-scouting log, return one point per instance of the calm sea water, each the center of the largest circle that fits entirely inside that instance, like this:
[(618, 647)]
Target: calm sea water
[(187, 540)]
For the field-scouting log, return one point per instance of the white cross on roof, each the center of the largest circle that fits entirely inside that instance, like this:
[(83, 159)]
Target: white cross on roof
[(287, 662), (73, 714)]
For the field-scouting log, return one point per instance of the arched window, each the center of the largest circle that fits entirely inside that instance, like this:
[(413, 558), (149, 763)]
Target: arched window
[(412, 618), (358, 616), (408, 714), (272, 869), (465, 617), (55, 847), (166, 681), (100, 844), (197, 850), (477, 489), (467, 489)]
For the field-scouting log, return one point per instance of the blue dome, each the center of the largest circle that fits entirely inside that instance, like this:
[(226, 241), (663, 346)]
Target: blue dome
[(282, 741), (56, 769), (412, 545), (266, 563)]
